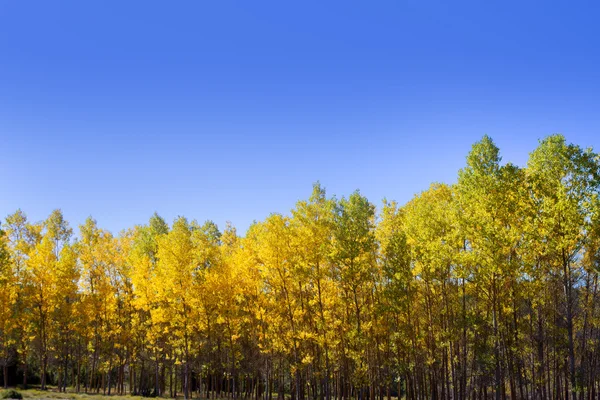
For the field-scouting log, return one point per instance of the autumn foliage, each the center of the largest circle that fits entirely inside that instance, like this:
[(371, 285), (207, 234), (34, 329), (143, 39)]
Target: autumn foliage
[(484, 288)]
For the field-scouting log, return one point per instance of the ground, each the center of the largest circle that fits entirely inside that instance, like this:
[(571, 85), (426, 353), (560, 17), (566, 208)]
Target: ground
[(35, 394)]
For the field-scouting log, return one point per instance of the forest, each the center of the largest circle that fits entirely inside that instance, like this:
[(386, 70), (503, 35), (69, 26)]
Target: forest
[(486, 288)]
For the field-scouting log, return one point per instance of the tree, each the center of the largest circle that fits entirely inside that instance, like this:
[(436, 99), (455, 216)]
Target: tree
[(22, 238), (44, 283), (178, 274), (313, 223), (565, 184), (8, 297), (354, 250), (143, 257)]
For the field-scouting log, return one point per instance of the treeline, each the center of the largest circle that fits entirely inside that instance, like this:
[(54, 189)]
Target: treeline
[(487, 288)]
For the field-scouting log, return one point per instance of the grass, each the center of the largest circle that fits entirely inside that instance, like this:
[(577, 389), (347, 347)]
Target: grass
[(51, 393)]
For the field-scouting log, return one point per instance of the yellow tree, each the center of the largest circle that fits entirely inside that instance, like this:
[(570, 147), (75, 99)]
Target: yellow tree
[(150, 319), (64, 321), (281, 314), (124, 326), (8, 297), (312, 222), (229, 284), (41, 268), (117, 288), (249, 302), (98, 302), (22, 238), (177, 278)]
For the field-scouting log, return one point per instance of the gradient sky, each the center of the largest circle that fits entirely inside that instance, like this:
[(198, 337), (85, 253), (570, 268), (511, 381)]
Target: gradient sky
[(229, 110)]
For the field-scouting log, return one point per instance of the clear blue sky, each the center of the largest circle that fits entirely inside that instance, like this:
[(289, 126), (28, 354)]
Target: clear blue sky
[(231, 110)]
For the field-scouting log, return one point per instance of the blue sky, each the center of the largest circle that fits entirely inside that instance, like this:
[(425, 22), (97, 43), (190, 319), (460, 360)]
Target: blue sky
[(229, 110)]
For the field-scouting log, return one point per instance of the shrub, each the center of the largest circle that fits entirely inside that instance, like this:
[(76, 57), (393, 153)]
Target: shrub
[(12, 394)]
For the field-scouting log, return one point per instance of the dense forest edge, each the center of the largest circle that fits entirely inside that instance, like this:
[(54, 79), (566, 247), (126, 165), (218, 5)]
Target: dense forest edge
[(483, 289)]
